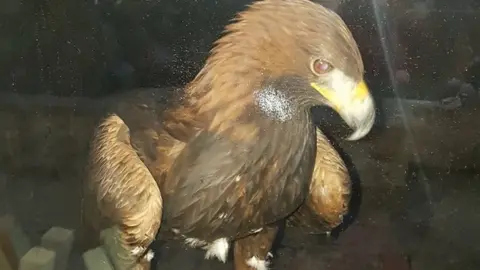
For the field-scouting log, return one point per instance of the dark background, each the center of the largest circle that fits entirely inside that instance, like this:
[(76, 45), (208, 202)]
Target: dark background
[(62, 61), (94, 48)]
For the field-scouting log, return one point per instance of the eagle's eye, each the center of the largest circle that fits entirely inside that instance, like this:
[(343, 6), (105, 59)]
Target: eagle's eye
[(320, 67)]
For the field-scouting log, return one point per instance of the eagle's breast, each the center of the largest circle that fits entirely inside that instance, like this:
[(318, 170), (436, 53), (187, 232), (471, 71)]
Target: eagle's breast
[(221, 188)]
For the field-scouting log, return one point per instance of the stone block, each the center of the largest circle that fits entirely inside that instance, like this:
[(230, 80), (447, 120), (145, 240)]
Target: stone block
[(97, 258), (109, 239), (38, 258), (60, 241)]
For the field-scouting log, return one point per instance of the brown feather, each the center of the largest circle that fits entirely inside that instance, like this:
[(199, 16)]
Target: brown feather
[(330, 192), (112, 157), (258, 245), (224, 168), (223, 78)]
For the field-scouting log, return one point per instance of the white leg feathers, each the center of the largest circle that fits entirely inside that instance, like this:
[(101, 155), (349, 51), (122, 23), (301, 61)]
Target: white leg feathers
[(257, 264), (218, 249), (149, 256)]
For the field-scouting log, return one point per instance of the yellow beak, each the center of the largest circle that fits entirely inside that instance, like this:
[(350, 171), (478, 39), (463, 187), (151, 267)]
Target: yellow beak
[(355, 106), (359, 93)]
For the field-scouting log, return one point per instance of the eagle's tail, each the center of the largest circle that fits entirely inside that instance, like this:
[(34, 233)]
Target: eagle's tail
[(124, 192)]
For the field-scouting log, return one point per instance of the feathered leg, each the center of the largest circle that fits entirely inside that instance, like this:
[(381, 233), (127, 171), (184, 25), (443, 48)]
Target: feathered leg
[(252, 252), (126, 194), (330, 192)]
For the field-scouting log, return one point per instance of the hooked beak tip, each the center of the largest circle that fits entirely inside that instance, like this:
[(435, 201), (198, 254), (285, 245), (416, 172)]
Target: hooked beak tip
[(355, 106), (362, 120)]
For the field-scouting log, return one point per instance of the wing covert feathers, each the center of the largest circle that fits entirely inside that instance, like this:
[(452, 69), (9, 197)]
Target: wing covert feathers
[(330, 191), (126, 192)]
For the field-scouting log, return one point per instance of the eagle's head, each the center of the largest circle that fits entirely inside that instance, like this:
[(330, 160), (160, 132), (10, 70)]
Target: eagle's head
[(301, 50)]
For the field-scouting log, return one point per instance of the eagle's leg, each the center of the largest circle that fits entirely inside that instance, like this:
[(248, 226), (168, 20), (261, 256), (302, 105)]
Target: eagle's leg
[(126, 194), (252, 252), (330, 192)]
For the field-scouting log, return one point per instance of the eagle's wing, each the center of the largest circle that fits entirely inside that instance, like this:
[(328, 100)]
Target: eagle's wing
[(330, 191), (223, 188), (125, 191)]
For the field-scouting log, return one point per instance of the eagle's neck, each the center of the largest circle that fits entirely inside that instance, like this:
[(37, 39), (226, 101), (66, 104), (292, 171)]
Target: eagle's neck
[(274, 104), (285, 99)]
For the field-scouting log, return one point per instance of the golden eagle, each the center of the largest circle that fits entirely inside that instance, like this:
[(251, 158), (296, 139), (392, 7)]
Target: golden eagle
[(237, 151)]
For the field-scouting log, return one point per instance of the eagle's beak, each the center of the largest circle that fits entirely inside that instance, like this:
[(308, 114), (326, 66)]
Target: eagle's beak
[(354, 104)]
